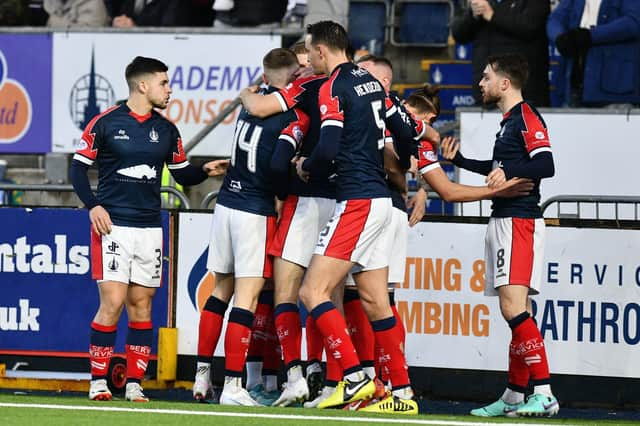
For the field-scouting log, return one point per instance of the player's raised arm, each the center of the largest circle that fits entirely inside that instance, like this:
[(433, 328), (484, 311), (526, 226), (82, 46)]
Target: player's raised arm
[(262, 105), (450, 151)]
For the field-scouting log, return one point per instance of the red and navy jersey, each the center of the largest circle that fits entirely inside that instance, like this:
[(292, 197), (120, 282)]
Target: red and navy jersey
[(418, 127), (523, 134), (427, 157), (248, 185), (353, 101), (131, 150), (303, 94)]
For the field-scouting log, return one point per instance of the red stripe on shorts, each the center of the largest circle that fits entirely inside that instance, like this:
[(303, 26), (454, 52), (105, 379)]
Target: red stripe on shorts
[(521, 251), (96, 255), (288, 211), (267, 270), (350, 226)]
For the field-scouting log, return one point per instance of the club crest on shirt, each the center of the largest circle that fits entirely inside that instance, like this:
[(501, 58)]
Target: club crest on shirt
[(154, 136)]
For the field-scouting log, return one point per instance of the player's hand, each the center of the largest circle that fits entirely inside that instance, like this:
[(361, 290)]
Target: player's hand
[(418, 202), (303, 72), (216, 167), (123, 21), (413, 169), (496, 178), (515, 187), (279, 204), (100, 220), (303, 174), (248, 90), (449, 147)]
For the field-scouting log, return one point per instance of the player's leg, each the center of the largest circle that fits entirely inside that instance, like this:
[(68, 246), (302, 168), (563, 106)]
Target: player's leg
[(263, 358), (139, 339), (209, 330), (237, 338), (359, 328), (110, 256), (251, 234), (350, 237), (146, 274), (514, 263), (103, 336), (220, 259), (288, 277)]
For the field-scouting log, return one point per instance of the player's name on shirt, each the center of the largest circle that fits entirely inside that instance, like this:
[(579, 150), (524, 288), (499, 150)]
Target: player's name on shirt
[(367, 88)]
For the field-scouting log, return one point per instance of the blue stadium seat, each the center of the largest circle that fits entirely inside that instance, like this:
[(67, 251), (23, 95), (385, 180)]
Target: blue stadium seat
[(421, 22), (368, 23)]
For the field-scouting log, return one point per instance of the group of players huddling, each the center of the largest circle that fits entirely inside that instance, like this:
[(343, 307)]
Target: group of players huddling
[(340, 218), (331, 235)]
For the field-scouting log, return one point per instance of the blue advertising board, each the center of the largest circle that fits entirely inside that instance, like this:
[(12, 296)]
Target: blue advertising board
[(25, 93), (47, 296)]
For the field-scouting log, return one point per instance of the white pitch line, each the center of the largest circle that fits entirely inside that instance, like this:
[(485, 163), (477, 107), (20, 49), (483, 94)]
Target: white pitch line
[(404, 420)]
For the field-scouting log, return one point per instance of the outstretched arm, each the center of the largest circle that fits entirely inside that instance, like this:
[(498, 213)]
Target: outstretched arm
[(450, 151)]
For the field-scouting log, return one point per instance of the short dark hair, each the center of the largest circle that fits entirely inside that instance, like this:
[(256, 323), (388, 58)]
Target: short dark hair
[(279, 58), (141, 65), (511, 65), (425, 99), (377, 60), (329, 33)]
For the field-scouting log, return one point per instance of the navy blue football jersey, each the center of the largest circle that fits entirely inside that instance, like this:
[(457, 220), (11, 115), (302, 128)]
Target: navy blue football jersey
[(303, 94), (131, 150), (523, 134), (248, 185), (353, 100)]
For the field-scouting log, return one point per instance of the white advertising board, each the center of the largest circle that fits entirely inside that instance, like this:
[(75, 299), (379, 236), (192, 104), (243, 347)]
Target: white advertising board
[(587, 311), (194, 282), (594, 154), (206, 73)]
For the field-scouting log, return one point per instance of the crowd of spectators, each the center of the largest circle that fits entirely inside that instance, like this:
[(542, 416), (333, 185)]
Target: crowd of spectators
[(598, 40)]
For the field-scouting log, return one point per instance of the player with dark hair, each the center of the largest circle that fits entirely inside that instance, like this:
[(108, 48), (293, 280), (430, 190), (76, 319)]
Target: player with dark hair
[(515, 235), (354, 113), (130, 142), (308, 205), (243, 226)]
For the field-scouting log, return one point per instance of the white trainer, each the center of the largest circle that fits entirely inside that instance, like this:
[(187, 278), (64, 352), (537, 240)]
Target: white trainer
[(99, 391), (133, 393), (292, 392), (202, 387), (324, 394), (237, 396)]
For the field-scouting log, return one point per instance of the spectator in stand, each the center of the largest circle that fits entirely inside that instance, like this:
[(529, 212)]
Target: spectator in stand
[(76, 13), (507, 26), (322, 10), (249, 13), (161, 13), (600, 40), (296, 11)]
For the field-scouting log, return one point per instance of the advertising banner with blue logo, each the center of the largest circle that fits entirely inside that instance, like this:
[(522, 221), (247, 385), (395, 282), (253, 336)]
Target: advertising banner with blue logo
[(587, 309), (206, 72), (48, 297), (25, 93)]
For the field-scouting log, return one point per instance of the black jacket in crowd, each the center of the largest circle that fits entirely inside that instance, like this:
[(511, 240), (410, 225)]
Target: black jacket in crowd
[(517, 26)]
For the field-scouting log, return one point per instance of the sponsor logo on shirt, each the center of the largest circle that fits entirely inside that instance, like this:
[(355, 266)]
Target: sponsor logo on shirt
[(122, 135), (139, 172)]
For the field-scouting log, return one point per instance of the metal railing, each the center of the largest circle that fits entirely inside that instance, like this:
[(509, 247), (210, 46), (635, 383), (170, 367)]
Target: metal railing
[(208, 199), (45, 187), (596, 202)]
